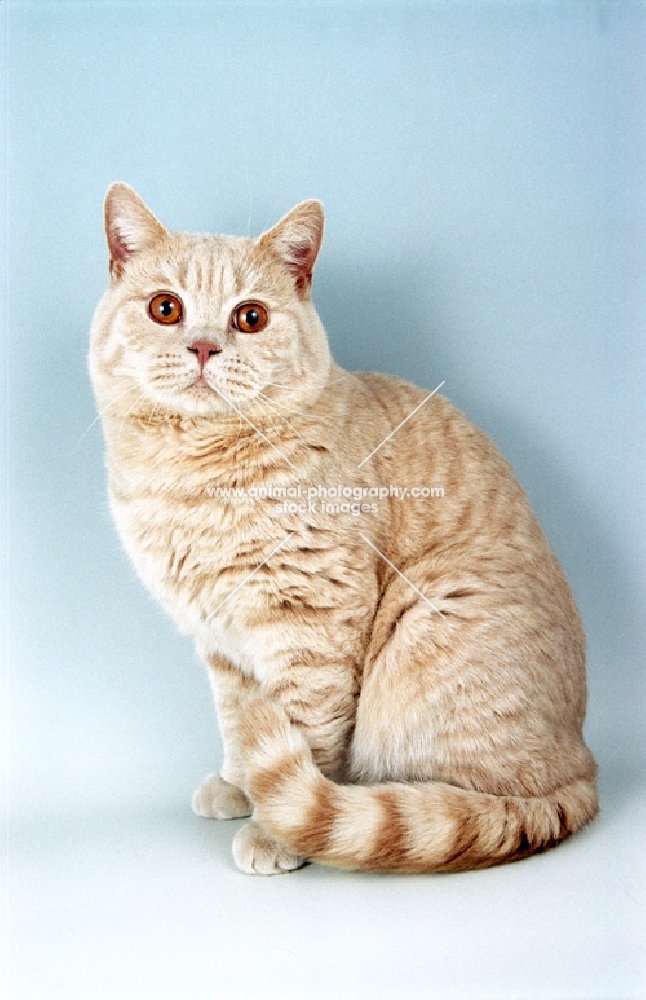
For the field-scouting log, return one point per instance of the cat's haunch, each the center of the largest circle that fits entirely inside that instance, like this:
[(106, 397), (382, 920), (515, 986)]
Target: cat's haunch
[(396, 658)]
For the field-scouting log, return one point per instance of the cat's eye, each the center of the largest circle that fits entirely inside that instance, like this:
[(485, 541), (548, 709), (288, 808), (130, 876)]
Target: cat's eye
[(250, 317), (165, 308)]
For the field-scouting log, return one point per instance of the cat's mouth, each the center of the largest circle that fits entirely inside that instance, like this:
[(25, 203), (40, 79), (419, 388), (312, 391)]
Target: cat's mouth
[(202, 387), (202, 396)]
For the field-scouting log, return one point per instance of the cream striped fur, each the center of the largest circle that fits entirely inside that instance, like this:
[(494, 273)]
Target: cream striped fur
[(393, 826), (399, 688)]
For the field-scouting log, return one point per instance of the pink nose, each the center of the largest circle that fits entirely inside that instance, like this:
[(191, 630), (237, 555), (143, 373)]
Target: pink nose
[(204, 349)]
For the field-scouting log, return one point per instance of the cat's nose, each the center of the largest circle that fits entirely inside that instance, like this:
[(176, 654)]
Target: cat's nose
[(204, 349)]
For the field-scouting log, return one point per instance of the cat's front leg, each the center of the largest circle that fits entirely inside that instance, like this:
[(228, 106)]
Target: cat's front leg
[(215, 798), (256, 852), (220, 796)]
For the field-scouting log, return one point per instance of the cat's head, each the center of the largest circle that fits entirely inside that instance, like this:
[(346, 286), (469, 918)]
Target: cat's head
[(207, 326)]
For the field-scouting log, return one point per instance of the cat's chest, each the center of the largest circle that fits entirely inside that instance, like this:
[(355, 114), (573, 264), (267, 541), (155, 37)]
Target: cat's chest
[(184, 549), (200, 561), (243, 579)]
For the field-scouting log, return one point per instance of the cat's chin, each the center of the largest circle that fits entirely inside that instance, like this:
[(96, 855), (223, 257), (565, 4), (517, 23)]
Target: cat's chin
[(204, 405), (200, 400)]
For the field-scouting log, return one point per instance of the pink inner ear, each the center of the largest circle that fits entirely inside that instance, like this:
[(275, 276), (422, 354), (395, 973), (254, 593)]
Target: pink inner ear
[(119, 249), (296, 240), (122, 243), (300, 261), (129, 225)]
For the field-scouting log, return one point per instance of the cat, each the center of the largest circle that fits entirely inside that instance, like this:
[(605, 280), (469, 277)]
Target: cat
[(399, 676)]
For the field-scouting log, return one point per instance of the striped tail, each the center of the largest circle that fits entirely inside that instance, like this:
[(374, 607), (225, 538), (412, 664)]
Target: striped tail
[(395, 826)]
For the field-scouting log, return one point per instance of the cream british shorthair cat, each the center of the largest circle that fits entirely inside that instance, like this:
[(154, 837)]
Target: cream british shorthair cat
[(396, 658)]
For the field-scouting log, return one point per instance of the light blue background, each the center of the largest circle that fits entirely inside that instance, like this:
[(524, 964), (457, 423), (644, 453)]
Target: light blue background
[(482, 169)]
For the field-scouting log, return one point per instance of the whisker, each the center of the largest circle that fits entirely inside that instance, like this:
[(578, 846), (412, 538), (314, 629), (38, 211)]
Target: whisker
[(284, 419), (275, 402), (313, 379), (239, 382), (128, 412), (163, 379), (239, 428), (267, 414), (284, 457), (100, 414), (151, 415)]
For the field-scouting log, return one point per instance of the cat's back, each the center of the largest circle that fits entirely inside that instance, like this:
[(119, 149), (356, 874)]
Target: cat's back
[(459, 506), (430, 434)]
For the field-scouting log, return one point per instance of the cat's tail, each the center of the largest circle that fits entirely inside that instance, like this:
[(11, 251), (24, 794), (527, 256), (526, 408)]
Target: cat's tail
[(395, 826)]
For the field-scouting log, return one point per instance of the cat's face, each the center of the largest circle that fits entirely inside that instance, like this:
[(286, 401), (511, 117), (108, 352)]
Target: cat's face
[(207, 325)]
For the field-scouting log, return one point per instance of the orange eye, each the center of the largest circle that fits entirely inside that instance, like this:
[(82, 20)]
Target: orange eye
[(165, 308), (250, 317)]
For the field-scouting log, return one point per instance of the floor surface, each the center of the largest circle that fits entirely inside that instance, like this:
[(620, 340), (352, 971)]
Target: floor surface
[(150, 905)]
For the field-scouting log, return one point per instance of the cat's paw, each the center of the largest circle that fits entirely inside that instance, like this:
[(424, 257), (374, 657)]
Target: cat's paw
[(257, 853), (217, 799)]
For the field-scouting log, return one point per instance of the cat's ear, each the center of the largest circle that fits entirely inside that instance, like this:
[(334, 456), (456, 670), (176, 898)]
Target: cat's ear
[(297, 240), (130, 226)]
